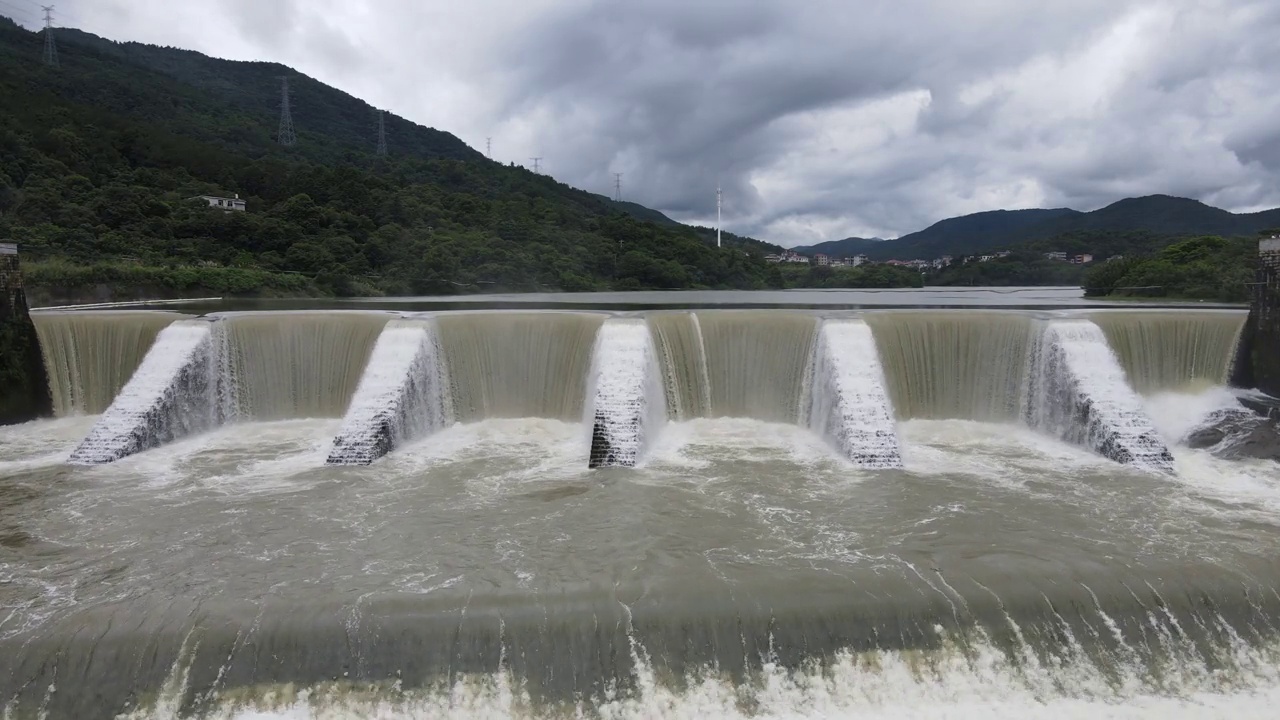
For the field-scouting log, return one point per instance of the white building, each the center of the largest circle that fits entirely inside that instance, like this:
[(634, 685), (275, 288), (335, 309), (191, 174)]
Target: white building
[(231, 204)]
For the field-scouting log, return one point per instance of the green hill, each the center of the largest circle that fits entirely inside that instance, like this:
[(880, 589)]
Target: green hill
[(99, 157), (1132, 224)]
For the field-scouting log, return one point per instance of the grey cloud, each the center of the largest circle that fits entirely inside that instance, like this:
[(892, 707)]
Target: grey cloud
[(820, 119)]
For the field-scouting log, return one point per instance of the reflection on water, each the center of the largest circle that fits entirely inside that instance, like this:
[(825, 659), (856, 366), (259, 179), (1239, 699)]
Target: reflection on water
[(744, 569)]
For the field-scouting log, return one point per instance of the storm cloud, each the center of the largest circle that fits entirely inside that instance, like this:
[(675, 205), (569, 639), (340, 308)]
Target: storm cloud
[(821, 119)]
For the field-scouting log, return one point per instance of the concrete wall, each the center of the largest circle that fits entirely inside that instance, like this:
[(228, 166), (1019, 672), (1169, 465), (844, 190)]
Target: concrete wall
[(1265, 319), (24, 388)]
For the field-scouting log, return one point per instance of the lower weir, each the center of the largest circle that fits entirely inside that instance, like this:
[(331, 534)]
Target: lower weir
[(1079, 392)]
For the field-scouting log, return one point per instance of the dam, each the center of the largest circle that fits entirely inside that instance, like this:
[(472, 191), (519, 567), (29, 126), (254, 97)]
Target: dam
[(675, 512)]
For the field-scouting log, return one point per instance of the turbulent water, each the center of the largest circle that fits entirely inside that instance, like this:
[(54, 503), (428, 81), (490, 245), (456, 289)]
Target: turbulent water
[(744, 568), (89, 356)]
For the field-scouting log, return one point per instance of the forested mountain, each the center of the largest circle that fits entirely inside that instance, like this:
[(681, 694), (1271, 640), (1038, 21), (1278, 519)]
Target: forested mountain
[(1159, 217), (100, 157)]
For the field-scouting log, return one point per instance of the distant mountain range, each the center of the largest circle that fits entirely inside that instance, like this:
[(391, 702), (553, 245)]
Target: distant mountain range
[(980, 232)]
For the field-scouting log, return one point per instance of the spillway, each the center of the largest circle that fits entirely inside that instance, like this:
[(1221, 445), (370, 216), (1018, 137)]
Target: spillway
[(955, 364), (518, 364), (293, 365), (1173, 350), (736, 363), (89, 356)]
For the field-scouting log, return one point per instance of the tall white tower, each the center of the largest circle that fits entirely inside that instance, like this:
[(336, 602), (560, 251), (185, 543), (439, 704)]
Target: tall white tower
[(719, 195)]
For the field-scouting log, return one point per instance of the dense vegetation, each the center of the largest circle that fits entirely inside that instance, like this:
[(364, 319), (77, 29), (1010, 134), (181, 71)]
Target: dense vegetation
[(99, 160), (1201, 268), (1019, 268)]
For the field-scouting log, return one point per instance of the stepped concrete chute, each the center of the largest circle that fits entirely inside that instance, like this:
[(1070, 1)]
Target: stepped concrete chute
[(1079, 392), (850, 405), (172, 394), (403, 395), (628, 404)]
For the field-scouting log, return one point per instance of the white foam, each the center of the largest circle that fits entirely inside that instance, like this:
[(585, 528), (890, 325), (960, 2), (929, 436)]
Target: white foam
[(628, 403), (403, 395), (1079, 392), (850, 406)]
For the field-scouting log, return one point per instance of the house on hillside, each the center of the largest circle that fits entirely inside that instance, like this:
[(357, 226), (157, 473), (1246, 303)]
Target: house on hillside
[(1056, 255), (231, 204), (1082, 259), (822, 259)]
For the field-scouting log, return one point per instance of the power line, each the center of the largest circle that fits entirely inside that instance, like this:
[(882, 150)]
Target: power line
[(617, 187), (50, 48), (536, 165), (18, 14), (285, 136), (382, 133)]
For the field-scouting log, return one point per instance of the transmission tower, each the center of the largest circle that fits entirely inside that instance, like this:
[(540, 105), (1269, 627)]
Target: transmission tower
[(719, 197), (617, 187), (50, 48), (285, 136), (488, 147), (536, 165), (382, 133)]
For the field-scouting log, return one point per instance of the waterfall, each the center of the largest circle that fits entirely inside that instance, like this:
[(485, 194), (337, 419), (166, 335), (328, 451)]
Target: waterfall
[(1172, 350), (850, 406), (172, 395), (952, 364), (89, 356), (628, 406), (524, 364), (735, 363), (294, 364), (403, 395), (1078, 392)]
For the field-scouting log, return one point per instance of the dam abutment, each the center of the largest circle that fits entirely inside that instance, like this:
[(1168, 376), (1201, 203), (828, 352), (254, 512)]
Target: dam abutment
[(24, 387), (1263, 346)]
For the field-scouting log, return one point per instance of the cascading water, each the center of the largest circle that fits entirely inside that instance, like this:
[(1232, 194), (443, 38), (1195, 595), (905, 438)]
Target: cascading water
[(518, 364), (294, 365), (736, 364), (954, 364), (731, 573), (850, 406), (1078, 392), (403, 395), (628, 405), (1173, 350), (173, 394), (89, 356)]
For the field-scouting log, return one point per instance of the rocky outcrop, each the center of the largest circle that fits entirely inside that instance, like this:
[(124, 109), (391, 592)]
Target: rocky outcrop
[(1238, 433)]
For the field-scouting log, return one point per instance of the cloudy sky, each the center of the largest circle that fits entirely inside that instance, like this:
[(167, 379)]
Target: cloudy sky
[(822, 119)]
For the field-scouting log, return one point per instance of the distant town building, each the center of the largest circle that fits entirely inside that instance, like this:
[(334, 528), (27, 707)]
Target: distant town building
[(1115, 257), (231, 204), (986, 258), (1056, 255), (822, 259), (1082, 259), (773, 258)]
